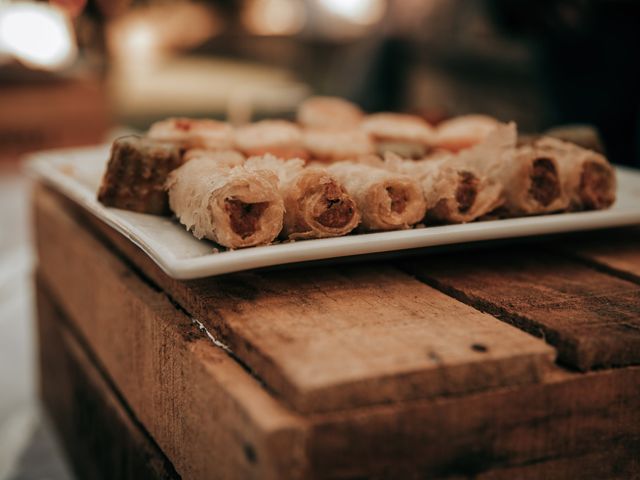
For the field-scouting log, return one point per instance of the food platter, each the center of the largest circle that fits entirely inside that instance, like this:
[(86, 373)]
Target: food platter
[(76, 173)]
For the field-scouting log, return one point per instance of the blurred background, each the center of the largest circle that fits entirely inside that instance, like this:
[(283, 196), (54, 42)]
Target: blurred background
[(76, 72)]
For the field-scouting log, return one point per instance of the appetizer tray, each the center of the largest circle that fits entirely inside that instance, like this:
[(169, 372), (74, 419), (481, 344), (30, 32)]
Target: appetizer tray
[(77, 172)]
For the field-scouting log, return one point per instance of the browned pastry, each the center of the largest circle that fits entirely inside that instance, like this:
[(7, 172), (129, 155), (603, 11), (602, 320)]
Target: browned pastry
[(316, 204), (232, 206), (408, 136), (588, 179), (329, 113), (462, 132), (136, 173), (277, 137)]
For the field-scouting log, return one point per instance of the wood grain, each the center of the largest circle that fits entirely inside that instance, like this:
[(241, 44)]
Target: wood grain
[(158, 362), (570, 414), (614, 251), (616, 462), (172, 376), (327, 339), (592, 318), (100, 436)]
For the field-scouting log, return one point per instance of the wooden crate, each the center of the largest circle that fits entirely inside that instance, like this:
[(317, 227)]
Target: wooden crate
[(494, 364)]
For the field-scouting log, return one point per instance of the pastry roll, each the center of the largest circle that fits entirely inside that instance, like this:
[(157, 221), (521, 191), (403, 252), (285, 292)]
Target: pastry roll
[(316, 205), (189, 133), (530, 178), (585, 136), (229, 158), (277, 137), (453, 192), (386, 200), (464, 131), (408, 136), (336, 145), (587, 178), (234, 207), (136, 173), (329, 113)]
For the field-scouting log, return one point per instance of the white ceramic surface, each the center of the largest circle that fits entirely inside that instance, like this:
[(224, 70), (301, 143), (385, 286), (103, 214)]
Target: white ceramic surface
[(77, 172)]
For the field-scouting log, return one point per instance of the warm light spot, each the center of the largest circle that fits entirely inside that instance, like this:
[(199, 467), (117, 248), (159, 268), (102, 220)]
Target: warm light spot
[(38, 35), (274, 17), (361, 12)]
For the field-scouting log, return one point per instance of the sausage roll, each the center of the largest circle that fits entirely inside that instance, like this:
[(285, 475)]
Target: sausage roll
[(587, 178), (408, 136), (234, 207), (530, 179), (277, 137), (193, 133), (463, 132), (335, 145), (453, 192), (316, 204), (386, 200), (329, 113)]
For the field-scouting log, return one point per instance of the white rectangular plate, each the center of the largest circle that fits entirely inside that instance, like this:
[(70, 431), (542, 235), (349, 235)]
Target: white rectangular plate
[(77, 173)]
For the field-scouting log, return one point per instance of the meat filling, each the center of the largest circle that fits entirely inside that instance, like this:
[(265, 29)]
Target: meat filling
[(596, 186), (339, 210), (398, 199), (467, 191), (244, 217), (545, 187)]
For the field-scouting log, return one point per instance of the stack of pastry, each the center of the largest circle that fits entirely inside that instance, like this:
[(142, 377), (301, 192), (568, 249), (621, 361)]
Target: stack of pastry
[(337, 170)]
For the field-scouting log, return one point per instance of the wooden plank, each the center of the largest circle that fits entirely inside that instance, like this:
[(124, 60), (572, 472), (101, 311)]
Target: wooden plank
[(100, 436), (327, 339), (166, 368), (566, 415), (592, 318), (210, 417), (613, 463), (614, 251), (570, 414)]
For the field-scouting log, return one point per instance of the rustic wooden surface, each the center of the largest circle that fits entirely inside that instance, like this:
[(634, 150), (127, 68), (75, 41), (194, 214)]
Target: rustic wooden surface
[(592, 318), (187, 391), (180, 389), (97, 429), (325, 339), (615, 252)]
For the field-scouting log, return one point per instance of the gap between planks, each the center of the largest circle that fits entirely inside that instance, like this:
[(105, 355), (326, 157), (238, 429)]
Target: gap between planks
[(591, 317)]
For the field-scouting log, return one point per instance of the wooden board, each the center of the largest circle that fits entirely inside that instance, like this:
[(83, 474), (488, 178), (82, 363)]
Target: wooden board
[(104, 441), (615, 252), (214, 420), (592, 318), (167, 369), (101, 437), (331, 339), (570, 414)]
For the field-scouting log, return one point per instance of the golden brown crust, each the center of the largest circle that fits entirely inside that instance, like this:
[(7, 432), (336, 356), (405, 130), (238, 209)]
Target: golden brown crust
[(277, 137), (193, 133), (587, 178), (234, 207), (463, 132), (398, 127), (136, 173), (330, 113), (316, 203), (454, 192), (387, 200), (333, 145)]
